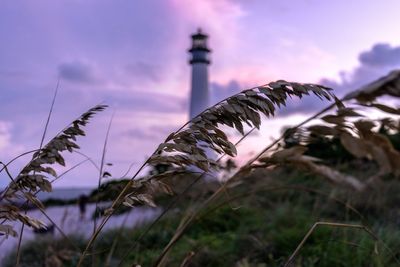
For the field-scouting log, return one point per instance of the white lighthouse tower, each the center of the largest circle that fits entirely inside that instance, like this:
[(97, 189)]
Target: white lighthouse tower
[(199, 96)]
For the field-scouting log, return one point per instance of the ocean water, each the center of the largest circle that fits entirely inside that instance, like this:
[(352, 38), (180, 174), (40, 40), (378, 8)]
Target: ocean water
[(68, 219), (64, 193)]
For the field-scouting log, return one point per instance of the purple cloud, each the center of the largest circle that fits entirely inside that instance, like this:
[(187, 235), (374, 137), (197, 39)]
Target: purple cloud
[(145, 71), (381, 55), (373, 63), (76, 72)]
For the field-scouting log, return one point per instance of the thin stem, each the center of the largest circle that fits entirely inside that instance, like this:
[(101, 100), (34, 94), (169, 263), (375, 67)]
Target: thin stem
[(49, 115), (127, 171), (187, 259), (19, 245), (185, 224), (115, 241), (65, 172), (40, 147), (103, 155), (88, 158), (108, 216)]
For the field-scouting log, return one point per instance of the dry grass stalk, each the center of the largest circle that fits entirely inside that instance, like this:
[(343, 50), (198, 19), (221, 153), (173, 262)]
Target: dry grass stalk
[(187, 146), (35, 175)]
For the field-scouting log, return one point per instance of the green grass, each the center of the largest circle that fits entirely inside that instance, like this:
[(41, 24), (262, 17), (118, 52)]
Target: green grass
[(263, 231)]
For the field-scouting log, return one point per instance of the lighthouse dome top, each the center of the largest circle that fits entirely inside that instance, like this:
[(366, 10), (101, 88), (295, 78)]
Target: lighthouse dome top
[(199, 34), (199, 42)]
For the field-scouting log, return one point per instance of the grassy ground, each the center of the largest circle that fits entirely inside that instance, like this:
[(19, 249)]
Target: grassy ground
[(269, 216)]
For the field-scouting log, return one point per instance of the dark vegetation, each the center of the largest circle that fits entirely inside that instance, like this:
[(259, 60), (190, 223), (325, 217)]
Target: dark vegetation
[(341, 172)]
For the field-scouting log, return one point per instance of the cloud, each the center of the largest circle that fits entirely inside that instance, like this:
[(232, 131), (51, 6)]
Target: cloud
[(76, 71), (144, 71), (7, 147), (7, 73), (373, 63), (381, 55)]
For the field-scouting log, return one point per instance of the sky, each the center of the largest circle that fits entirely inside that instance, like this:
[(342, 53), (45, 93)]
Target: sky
[(132, 55)]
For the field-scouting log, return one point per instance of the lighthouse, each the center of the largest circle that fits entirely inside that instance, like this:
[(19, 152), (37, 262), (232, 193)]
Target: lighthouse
[(199, 60)]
